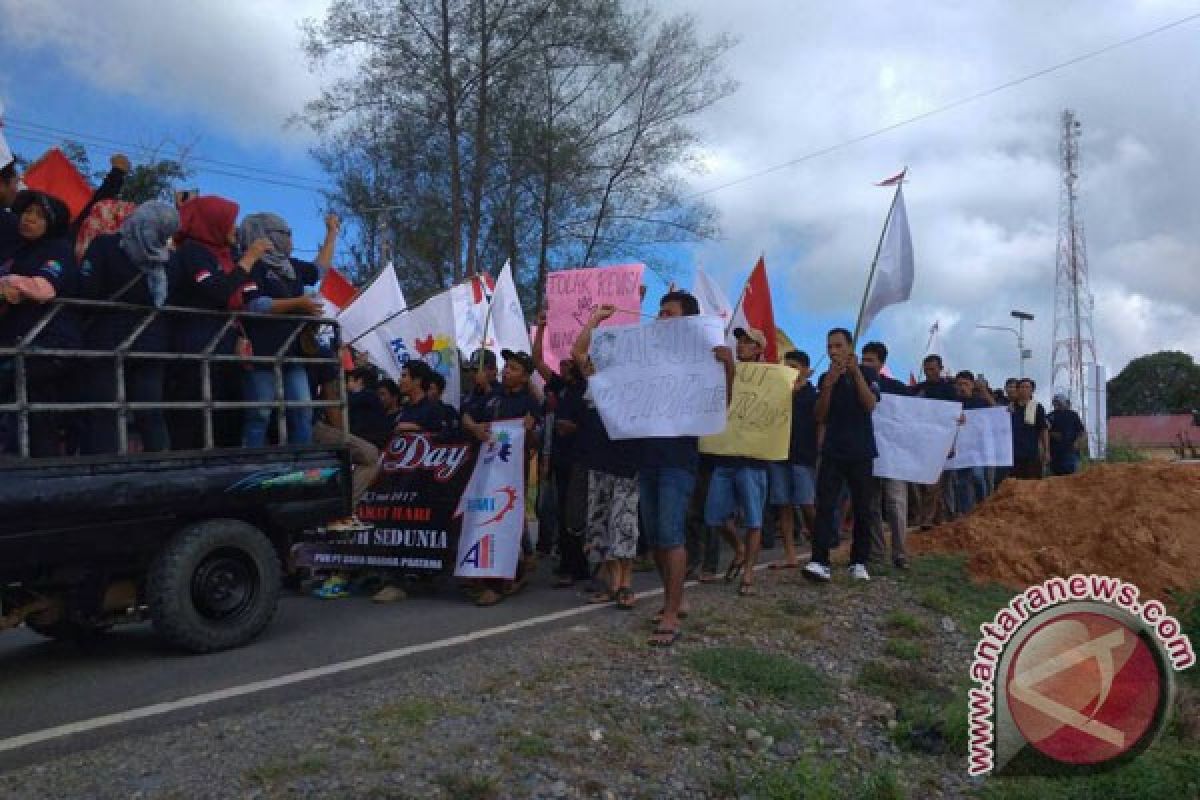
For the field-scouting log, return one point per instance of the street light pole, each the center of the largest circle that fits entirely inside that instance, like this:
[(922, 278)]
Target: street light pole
[(1022, 317), (1020, 349)]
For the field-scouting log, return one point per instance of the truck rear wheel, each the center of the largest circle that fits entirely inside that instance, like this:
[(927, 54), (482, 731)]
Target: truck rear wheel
[(215, 585)]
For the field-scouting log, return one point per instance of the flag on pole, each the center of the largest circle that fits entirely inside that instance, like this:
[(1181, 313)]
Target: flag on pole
[(424, 332), (893, 269), (471, 300), (54, 174), (507, 328), (381, 299), (335, 292), (895, 179), (755, 310), (931, 346), (5, 153), (711, 299)]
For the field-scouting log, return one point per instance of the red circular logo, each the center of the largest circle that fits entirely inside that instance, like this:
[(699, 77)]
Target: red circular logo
[(1084, 688)]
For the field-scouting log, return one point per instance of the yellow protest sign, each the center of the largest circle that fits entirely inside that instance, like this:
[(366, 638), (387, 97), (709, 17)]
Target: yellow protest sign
[(759, 422)]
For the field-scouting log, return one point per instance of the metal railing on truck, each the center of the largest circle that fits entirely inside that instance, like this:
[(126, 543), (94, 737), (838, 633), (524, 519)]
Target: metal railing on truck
[(124, 353)]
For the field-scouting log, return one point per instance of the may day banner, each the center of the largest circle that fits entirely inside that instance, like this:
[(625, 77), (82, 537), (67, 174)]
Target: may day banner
[(659, 379), (913, 436), (492, 507), (426, 333), (760, 414), (413, 506), (572, 295)]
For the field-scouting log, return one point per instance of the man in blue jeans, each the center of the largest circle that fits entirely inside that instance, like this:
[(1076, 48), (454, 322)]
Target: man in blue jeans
[(739, 486), (847, 398), (666, 477), (970, 483)]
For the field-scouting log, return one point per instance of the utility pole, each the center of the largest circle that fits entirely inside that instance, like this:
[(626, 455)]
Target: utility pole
[(1074, 340)]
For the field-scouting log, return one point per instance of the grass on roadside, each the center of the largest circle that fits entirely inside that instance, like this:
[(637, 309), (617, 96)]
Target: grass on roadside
[(469, 787), (810, 781), (280, 770), (754, 672)]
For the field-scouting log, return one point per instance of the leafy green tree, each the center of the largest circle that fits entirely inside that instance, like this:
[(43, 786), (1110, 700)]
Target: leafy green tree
[(1167, 382)]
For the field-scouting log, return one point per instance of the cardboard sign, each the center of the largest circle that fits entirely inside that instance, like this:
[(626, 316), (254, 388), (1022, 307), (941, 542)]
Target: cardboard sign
[(913, 436), (760, 415), (572, 295), (985, 440)]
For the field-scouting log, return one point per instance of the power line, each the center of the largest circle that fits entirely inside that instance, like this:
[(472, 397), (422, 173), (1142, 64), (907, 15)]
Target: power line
[(153, 150), (949, 106)]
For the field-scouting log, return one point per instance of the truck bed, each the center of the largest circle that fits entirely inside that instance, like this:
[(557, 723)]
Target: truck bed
[(113, 511)]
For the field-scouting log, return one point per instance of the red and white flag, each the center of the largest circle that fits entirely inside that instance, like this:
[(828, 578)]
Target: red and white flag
[(54, 174), (471, 300), (336, 292), (897, 178), (756, 311)]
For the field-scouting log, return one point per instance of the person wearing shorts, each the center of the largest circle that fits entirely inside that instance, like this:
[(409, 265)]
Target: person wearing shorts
[(793, 483)]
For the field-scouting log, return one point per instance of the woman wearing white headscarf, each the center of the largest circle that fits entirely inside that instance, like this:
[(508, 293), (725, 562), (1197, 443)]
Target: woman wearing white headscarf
[(130, 266), (276, 286)]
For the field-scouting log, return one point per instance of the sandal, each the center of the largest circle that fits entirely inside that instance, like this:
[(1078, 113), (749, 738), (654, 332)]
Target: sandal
[(658, 615), (601, 597), (735, 569), (747, 590), (707, 577), (657, 638), (626, 599)]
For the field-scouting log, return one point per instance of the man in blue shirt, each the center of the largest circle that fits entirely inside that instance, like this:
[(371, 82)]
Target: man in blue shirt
[(848, 452)]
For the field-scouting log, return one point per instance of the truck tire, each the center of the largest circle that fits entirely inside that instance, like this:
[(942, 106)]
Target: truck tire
[(215, 585)]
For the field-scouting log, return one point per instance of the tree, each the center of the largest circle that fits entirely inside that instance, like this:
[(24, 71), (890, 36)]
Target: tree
[(1167, 382), (548, 133)]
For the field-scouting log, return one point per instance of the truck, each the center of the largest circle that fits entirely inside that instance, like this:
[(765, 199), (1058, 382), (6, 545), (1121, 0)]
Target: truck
[(194, 541)]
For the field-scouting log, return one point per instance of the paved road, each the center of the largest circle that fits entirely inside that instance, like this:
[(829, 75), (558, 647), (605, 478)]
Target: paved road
[(45, 684)]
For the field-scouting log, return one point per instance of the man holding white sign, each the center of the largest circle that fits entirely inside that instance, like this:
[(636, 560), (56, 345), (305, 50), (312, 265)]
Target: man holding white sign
[(667, 463)]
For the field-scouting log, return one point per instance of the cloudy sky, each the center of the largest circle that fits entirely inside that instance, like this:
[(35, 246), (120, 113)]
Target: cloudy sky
[(984, 189)]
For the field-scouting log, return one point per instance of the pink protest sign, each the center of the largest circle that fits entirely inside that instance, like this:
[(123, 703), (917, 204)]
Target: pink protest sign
[(572, 295)]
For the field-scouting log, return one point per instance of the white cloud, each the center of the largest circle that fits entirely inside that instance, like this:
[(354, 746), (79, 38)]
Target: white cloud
[(238, 66)]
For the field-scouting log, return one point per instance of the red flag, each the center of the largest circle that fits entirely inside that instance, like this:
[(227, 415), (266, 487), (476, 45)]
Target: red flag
[(54, 174), (337, 289), (482, 287), (912, 379), (757, 308), (897, 178)]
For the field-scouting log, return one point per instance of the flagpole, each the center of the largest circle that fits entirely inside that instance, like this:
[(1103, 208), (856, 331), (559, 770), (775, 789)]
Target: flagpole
[(875, 261), (737, 307)]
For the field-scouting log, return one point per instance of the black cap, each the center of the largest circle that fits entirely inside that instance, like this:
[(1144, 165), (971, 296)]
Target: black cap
[(489, 359), (521, 358)]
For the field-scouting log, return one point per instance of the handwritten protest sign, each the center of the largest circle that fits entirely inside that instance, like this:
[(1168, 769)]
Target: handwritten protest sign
[(760, 414), (913, 436), (659, 379), (984, 441), (572, 295)]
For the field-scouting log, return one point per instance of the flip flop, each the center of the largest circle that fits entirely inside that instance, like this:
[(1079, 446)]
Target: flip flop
[(735, 569), (601, 597), (707, 578), (626, 599), (675, 635), (747, 590), (782, 565)]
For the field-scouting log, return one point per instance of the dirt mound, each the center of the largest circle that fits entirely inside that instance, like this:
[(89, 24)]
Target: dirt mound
[(1138, 522)]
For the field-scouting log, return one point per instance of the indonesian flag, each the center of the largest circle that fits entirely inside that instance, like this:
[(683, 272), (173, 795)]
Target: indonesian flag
[(336, 292), (471, 301), (54, 174), (755, 310), (892, 181)]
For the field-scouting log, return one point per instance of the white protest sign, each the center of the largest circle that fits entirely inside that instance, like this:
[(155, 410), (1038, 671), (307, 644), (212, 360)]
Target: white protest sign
[(661, 379), (984, 441), (493, 506), (913, 436)]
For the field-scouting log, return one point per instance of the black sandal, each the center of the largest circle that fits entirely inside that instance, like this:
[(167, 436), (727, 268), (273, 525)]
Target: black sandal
[(735, 569)]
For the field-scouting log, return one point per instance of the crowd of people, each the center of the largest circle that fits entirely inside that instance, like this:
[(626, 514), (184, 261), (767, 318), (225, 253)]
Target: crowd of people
[(604, 504)]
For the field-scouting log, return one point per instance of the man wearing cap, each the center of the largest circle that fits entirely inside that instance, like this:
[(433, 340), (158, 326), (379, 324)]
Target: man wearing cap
[(793, 483), (482, 371), (512, 400), (1067, 436), (738, 487)]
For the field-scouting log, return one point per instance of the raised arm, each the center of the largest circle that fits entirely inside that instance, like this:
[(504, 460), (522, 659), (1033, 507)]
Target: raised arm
[(583, 342), (324, 258), (539, 363)]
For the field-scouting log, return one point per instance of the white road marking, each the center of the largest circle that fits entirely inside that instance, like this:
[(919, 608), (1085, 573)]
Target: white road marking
[(206, 698)]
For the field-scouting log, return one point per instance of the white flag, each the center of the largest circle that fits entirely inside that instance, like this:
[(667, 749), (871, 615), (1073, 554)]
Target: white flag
[(493, 506), (380, 300), (470, 300), (714, 303), (894, 266), (5, 153), (425, 332), (507, 329)]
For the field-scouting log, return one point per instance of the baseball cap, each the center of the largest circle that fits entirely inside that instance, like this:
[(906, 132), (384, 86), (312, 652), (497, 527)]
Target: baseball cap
[(521, 358), (753, 334)]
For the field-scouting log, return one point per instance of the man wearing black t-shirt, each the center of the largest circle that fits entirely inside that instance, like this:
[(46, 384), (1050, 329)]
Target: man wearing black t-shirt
[(970, 483), (891, 495), (1067, 437), (848, 452), (1031, 440), (936, 499), (793, 483), (421, 414)]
